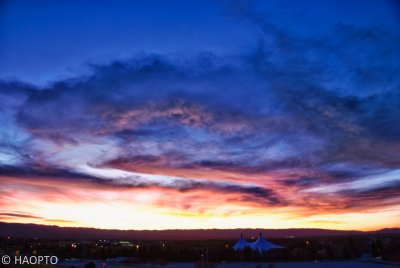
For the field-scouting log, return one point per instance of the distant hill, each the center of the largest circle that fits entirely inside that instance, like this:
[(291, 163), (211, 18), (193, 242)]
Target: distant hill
[(388, 231), (45, 231)]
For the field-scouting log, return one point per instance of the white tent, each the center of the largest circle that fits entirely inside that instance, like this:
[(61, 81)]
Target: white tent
[(262, 244), (241, 244)]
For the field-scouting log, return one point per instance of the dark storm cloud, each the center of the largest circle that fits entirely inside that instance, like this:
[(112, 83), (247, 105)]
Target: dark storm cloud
[(252, 193), (307, 110), (134, 103), (357, 109), (43, 172)]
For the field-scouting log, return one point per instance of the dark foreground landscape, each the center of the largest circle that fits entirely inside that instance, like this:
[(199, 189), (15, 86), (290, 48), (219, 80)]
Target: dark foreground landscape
[(186, 248)]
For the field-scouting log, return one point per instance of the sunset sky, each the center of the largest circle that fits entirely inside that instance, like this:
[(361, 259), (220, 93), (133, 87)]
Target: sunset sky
[(200, 114)]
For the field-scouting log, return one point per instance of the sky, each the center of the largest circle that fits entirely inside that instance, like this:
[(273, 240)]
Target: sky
[(200, 114)]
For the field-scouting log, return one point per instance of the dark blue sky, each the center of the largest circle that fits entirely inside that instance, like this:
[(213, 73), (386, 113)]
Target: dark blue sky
[(44, 41)]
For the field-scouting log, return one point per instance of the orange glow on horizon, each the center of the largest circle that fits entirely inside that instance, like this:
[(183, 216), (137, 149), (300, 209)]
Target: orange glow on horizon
[(82, 204)]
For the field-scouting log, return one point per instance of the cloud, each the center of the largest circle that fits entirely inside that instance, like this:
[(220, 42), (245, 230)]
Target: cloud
[(22, 216), (387, 193), (18, 215), (295, 113), (68, 179)]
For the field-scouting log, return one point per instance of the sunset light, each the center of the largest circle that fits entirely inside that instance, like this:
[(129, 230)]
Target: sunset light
[(213, 114)]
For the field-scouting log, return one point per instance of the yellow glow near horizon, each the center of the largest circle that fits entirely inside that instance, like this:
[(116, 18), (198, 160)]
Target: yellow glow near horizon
[(87, 206)]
